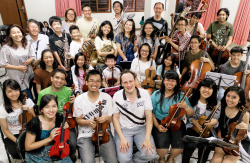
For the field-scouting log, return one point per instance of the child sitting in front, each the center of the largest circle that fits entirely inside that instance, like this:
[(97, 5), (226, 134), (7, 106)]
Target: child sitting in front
[(77, 40), (111, 74)]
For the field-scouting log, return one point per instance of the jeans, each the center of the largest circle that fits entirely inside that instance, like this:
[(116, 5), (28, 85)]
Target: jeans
[(72, 144), (27, 92), (135, 135), (87, 150)]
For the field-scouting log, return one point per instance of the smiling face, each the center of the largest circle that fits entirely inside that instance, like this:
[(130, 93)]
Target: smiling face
[(106, 29), (222, 16), (12, 94), (170, 84), (16, 34), (181, 25), (58, 80), (110, 62), (50, 109), (33, 29), (148, 29), (232, 99), (75, 34), (128, 82), (48, 58), (236, 57), (128, 26), (194, 19), (80, 61), (158, 9), (71, 15), (194, 44), (94, 83), (144, 52), (168, 61), (206, 92), (117, 8), (87, 12), (56, 26)]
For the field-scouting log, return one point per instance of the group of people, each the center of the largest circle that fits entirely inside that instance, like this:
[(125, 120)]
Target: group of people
[(136, 114)]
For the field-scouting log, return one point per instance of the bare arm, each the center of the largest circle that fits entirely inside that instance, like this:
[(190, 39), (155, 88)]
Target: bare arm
[(5, 129), (149, 123), (184, 71), (120, 51), (104, 54), (58, 58), (38, 88)]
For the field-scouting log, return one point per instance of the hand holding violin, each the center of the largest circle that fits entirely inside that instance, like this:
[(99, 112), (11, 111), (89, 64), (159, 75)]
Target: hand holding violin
[(72, 99), (92, 123), (196, 123), (183, 105), (148, 146), (242, 125), (168, 39), (161, 128), (102, 119), (54, 133)]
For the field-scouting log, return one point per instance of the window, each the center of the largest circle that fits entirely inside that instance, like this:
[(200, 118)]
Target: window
[(134, 5), (98, 6), (181, 4)]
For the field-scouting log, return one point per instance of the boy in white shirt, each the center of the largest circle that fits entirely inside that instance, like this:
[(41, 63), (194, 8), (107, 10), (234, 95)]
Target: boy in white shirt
[(77, 40)]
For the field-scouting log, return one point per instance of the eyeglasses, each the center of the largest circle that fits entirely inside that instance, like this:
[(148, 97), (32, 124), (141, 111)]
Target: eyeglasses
[(194, 42), (70, 14), (144, 51), (94, 81)]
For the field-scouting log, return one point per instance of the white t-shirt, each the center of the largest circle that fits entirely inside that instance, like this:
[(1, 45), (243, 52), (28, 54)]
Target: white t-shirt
[(132, 114), (88, 110), (13, 118), (107, 73), (75, 47), (86, 26), (139, 67)]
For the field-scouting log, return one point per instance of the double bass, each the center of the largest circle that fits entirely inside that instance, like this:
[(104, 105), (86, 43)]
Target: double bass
[(25, 117), (112, 80), (69, 118), (148, 83), (60, 149), (235, 135), (173, 120), (205, 133), (198, 71)]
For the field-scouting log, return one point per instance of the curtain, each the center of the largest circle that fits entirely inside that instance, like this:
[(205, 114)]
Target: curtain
[(63, 5), (242, 23), (211, 14)]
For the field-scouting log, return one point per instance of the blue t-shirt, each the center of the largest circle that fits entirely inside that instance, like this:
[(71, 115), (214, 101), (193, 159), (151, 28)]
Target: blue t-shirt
[(127, 45), (162, 112)]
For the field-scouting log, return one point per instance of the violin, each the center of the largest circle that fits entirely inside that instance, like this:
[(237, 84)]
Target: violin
[(173, 120), (85, 87), (148, 82), (112, 80), (25, 117), (205, 133), (235, 135), (101, 136), (220, 57), (198, 71), (69, 118), (60, 149)]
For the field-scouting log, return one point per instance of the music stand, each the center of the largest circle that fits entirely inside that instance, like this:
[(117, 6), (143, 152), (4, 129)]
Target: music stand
[(211, 141), (222, 80), (125, 64)]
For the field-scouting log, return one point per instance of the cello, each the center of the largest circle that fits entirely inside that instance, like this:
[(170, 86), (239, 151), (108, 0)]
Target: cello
[(148, 83), (173, 120), (221, 57), (198, 71), (25, 117), (69, 118), (112, 80), (60, 149), (205, 133), (235, 135)]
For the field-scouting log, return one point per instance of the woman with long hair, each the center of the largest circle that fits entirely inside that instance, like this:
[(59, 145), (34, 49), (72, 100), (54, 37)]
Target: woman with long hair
[(16, 56), (10, 110), (169, 94), (42, 75), (203, 100), (126, 42), (70, 19), (231, 110)]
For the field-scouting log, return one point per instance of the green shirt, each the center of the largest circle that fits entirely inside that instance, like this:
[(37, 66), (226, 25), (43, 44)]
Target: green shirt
[(218, 30), (62, 95)]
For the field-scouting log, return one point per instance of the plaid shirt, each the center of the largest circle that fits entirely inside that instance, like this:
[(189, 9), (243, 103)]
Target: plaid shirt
[(183, 42)]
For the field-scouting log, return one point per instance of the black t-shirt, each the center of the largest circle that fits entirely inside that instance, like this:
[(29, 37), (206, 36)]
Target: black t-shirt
[(57, 44), (158, 25)]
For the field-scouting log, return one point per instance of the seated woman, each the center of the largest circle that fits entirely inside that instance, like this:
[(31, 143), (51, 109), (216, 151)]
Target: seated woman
[(141, 64), (42, 130), (42, 75), (162, 99), (9, 114), (231, 111)]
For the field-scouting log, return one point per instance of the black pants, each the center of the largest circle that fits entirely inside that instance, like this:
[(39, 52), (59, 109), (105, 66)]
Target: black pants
[(11, 147), (189, 148), (72, 144)]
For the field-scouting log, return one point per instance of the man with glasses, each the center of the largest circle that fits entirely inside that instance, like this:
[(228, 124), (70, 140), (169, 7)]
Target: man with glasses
[(86, 111), (88, 26)]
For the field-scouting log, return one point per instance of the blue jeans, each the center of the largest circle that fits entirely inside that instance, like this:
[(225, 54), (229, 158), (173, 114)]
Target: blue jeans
[(87, 150), (27, 92), (135, 135)]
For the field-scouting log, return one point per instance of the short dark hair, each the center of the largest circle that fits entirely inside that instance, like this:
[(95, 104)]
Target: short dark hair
[(45, 22), (33, 21), (46, 99), (159, 3), (42, 63), (236, 49), (126, 71), (93, 72), (53, 19), (86, 5), (149, 50), (225, 10), (73, 27), (197, 14), (59, 70), (181, 19), (119, 3), (197, 37), (110, 56)]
